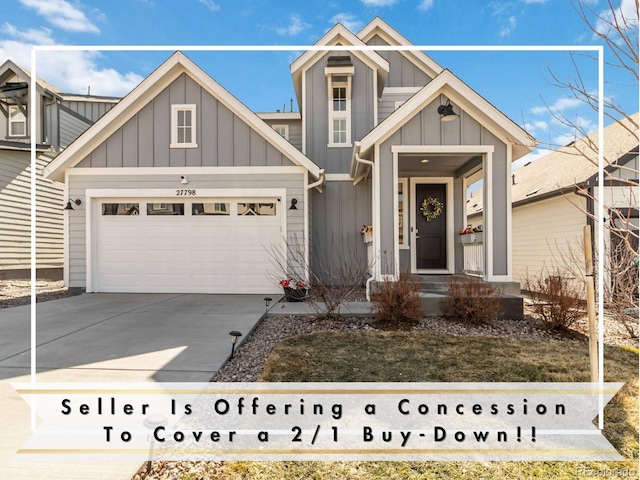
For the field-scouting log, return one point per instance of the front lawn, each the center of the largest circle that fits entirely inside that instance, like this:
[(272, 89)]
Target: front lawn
[(426, 357)]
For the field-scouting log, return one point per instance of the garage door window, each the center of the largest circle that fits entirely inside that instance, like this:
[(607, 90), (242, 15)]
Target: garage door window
[(165, 209), (214, 208), (120, 209), (257, 209)]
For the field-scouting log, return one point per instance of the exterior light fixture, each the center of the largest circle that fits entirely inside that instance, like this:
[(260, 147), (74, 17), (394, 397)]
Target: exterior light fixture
[(424, 160), (267, 301), (77, 201), (151, 423), (446, 112), (184, 180), (294, 202), (234, 339)]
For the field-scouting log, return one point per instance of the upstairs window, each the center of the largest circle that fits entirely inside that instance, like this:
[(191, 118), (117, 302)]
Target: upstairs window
[(283, 130), (183, 126), (339, 110), (17, 122)]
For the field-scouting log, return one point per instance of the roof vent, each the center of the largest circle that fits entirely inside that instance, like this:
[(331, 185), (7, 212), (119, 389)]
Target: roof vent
[(339, 61)]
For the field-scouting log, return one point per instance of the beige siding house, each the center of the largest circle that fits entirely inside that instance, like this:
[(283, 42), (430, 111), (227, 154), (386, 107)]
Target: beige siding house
[(553, 198)]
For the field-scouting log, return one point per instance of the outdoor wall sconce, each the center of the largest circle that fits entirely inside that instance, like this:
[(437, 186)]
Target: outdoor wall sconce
[(183, 180), (267, 301), (446, 112), (77, 201), (234, 339), (294, 202)]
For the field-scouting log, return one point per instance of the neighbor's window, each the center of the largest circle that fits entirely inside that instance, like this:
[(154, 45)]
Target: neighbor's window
[(214, 208), (183, 126), (120, 209), (403, 210), (256, 209), (17, 122), (165, 209), (339, 110), (283, 130)]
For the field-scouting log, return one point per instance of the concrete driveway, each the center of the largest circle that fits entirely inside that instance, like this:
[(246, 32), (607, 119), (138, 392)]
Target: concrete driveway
[(112, 338)]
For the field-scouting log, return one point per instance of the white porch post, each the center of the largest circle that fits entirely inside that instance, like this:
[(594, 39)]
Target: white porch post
[(487, 218)]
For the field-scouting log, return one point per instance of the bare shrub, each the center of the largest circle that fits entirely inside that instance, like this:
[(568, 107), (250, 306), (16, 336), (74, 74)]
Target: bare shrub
[(555, 298), (397, 304), (332, 278), (473, 301)]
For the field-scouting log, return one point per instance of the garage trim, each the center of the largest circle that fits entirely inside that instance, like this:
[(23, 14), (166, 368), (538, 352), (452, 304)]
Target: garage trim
[(93, 195)]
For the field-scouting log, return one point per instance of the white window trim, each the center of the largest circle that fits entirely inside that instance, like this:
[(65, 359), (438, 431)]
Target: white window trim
[(286, 130), (340, 115), (11, 122), (174, 126), (405, 213)]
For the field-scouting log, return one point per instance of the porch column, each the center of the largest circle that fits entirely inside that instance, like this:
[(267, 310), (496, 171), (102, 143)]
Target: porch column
[(497, 215)]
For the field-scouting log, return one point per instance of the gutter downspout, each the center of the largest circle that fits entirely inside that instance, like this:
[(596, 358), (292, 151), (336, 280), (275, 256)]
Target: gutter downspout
[(318, 183), (356, 155)]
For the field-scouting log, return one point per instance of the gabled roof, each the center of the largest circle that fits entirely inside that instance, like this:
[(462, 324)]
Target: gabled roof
[(21, 72), (148, 89), (338, 35), (465, 98), (572, 165), (392, 37)]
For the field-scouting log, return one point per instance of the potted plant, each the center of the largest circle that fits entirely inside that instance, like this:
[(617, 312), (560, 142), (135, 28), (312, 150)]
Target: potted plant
[(294, 290)]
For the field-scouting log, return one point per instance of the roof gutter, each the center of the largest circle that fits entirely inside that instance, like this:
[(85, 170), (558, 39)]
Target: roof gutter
[(319, 183)]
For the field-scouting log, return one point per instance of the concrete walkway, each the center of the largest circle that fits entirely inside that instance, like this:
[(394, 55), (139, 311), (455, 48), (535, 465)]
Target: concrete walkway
[(112, 338)]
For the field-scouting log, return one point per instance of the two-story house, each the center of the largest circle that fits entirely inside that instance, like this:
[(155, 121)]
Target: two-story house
[(183, 189), (61, 118)]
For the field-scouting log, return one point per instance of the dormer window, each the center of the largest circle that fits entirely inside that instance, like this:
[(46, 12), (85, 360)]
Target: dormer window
[(17, 122), (183, 126), (339, 72)]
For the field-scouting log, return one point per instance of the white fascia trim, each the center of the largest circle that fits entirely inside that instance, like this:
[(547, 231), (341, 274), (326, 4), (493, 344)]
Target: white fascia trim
[(390, 35), (346, 70), (130, 105), (442, 149), (124, 171), (462, 95), (338, 177), (448, 181), (279, 115), (339, 34)]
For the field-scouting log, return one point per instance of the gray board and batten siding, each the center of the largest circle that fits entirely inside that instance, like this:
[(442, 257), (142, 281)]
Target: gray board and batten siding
[(316, 111), (402, 71), (425, 128), (223, 139)]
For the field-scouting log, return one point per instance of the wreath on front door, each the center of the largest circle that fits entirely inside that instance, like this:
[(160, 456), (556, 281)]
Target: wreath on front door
[(431, 208)]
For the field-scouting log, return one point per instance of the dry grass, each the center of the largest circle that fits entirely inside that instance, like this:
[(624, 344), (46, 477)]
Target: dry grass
[(418, 356)]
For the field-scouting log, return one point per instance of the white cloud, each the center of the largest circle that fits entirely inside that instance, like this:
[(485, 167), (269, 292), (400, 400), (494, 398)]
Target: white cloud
[(506, 30), (535, 1), (210, 4), (349, 21), (425, 5), (560, 105), (625, 16), (71, 72), (378, 3), (62, 14), (296, 26)]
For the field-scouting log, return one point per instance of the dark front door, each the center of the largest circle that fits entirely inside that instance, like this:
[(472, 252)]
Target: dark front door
[(431, 229)]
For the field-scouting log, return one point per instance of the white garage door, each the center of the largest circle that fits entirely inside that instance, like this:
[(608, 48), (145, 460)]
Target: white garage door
[(195, 246)]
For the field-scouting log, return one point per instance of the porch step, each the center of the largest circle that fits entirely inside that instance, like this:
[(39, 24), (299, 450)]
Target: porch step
[(511, 305)]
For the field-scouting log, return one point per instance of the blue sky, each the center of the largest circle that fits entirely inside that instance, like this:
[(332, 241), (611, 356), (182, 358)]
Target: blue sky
[(517, 83)]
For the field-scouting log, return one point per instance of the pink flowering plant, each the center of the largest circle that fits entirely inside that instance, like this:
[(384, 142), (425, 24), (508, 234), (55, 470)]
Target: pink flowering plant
[(293, 284)]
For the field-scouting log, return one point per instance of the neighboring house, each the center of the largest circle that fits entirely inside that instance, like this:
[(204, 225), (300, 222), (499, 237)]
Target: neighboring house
[(61, 118), (553, 199), (184, 189)]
